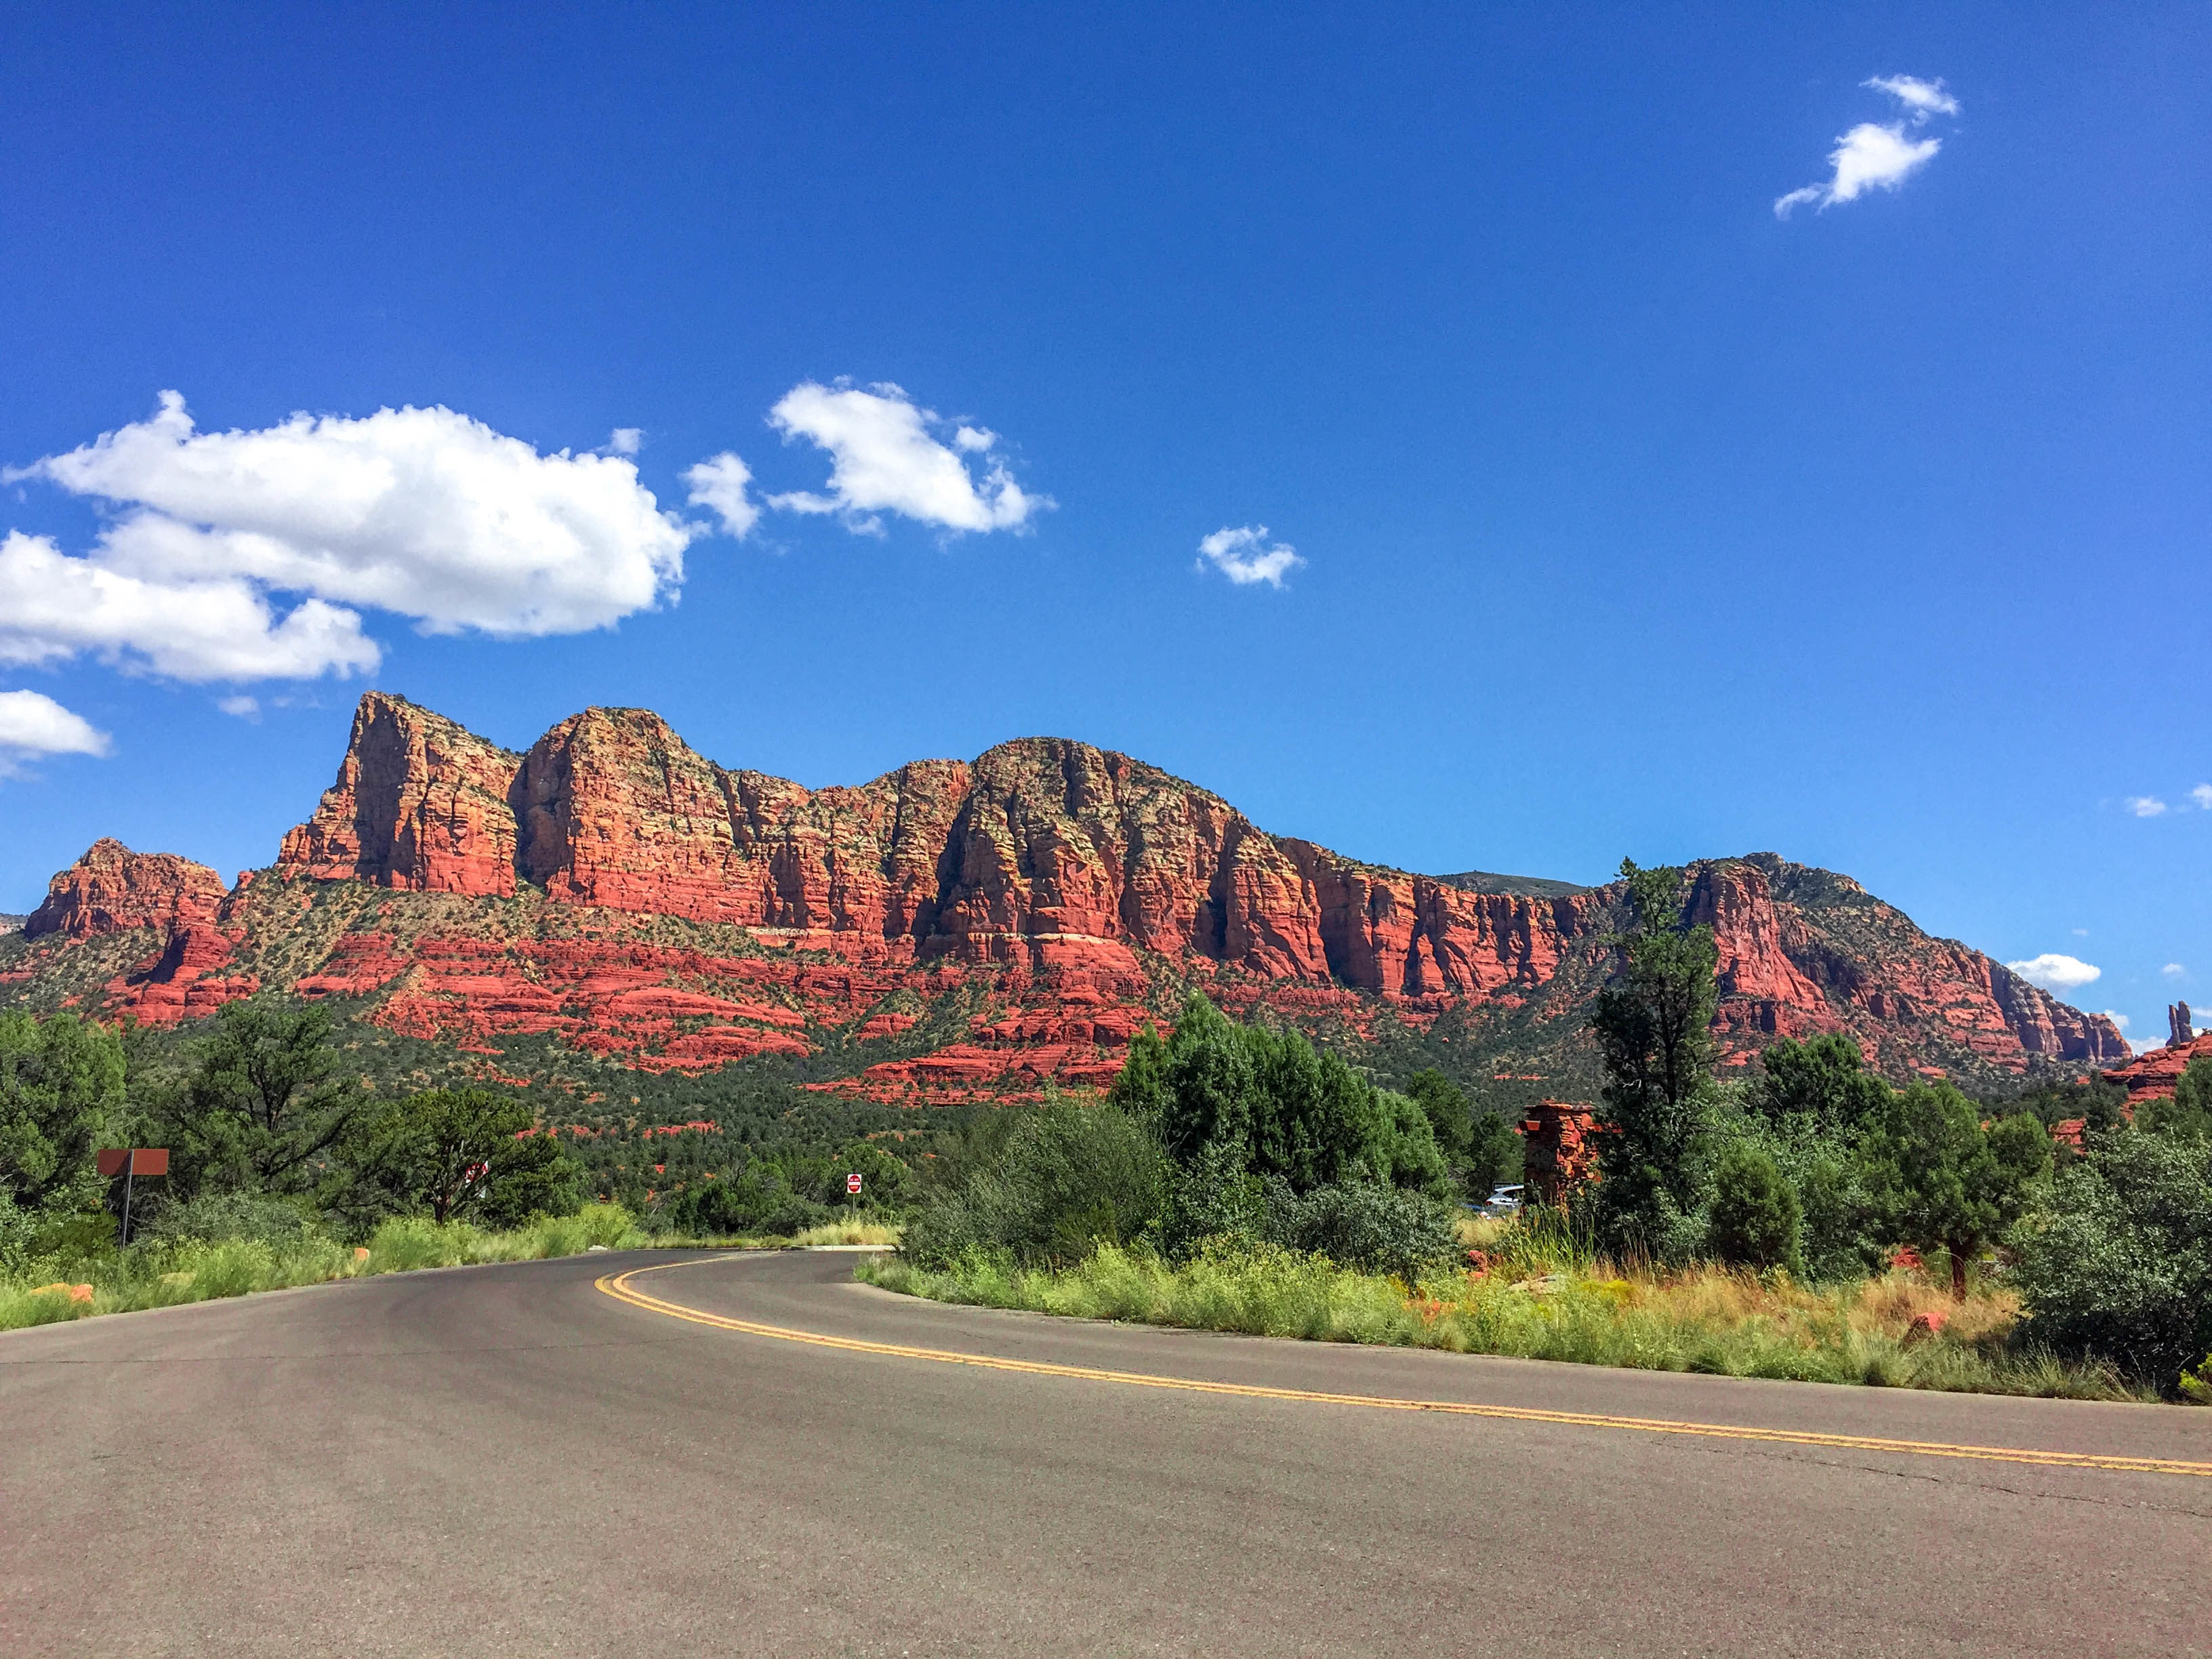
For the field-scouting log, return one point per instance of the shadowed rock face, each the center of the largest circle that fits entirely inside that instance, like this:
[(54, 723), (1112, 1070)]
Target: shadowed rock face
[(1072, 889)]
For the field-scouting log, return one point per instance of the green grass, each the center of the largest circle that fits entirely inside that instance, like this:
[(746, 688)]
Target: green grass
[(166, 1273), (1706, 1320)]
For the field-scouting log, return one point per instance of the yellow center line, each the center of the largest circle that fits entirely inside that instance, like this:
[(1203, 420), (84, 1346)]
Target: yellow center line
[(619, 1287)]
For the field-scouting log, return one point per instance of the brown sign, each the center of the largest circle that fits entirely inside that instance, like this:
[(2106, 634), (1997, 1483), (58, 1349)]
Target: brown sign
[(138, 1160)]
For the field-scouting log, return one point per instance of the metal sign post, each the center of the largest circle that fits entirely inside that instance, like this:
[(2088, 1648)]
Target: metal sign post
[(131, 1163)]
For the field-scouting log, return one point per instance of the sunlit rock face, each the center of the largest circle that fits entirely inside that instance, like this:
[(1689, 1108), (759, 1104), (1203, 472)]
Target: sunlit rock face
[(956, 927)]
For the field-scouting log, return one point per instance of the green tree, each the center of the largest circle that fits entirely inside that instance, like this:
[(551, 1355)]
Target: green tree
[(1282, 1110), (1450, 1119), (455, 1153), (1938, 1179), (1756, 1217), (1653, 1023), (1482, 1148), (1820, 1085), (61, 1096), (2186, 1114), (266, 1103)]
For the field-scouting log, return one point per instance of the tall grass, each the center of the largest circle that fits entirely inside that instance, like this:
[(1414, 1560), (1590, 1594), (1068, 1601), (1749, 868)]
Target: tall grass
[(157, 1272), (161, 1273), (1544, 1298)]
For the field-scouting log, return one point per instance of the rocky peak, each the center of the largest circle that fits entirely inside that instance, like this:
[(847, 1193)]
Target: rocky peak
[(112, 889), (420, 804)]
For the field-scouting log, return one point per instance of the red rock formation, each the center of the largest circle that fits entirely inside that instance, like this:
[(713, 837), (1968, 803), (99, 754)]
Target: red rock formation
[(419, 804), (1559, 1148), (2153, 1075), (1071, 890), (111, 889)]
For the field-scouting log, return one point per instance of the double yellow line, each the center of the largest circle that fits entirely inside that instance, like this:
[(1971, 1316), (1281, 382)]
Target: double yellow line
[(619, 1287)]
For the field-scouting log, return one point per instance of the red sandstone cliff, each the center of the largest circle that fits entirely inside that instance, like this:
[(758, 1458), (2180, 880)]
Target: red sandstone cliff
[(111, 889), (1072, 889)]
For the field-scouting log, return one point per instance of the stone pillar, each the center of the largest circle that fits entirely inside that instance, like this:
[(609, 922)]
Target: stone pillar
[(2179, 1035)]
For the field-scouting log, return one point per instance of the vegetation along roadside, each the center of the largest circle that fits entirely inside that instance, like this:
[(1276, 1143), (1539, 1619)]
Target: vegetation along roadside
[(1812, 1222)]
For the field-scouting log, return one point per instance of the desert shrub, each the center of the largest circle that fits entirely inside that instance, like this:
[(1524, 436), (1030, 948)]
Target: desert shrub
[(1215, 1197), (217, 1217), (1366, 1226), (2121, 1268), (1069, 1176), (1756, 1217)]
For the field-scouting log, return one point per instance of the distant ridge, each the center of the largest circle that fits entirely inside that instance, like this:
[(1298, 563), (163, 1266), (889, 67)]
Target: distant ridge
[(953, 929)]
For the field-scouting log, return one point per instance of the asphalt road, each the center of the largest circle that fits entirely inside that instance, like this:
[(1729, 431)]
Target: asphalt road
[(508, 1461)]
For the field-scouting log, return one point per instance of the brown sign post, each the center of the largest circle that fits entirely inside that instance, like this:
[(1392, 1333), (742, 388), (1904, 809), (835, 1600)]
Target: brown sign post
[(131, 1163)]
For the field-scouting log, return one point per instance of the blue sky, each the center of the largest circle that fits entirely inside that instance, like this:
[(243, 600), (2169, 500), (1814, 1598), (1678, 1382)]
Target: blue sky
[(1629, 513)]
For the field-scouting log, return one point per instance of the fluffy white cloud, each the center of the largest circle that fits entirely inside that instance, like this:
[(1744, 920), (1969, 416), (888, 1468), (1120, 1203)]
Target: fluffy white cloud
[(32, 724), (626, 439), (241, 707), (2173, 970), (2201, 794), (719, 483), (884, 459), (52, 607), (2144, 806), (421, 512), (1244, 556), (2117, 1018), (1877, 154), (2054, 972)]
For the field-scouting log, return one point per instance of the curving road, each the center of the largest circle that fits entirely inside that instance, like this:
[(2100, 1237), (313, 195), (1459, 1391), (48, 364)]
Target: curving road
[(611, 1456)]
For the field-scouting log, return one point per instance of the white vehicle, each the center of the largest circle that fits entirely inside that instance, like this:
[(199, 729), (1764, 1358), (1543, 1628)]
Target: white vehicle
[(1502, 1200)]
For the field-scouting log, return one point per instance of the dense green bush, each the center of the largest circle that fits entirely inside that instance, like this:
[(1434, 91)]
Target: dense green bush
[(2121, 1268), (61, 1095), (1280, 1109), (1069, 1176), (1756, 1217), (1360, 1224)]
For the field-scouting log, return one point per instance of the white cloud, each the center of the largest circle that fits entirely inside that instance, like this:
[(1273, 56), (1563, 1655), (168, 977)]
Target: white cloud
[(2201, 794), (2144, 806), (626, 439), (719, 483), (2117, 1018), (244, 708), (2054, 972), (32, 723), (1921, 98), (1874, 155), (1244, 556), (421, 512), (2173, 970), (52, 607), (884, 459)]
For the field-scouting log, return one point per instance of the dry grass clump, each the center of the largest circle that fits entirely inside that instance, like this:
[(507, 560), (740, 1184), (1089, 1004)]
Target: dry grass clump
[(1540, 1298)]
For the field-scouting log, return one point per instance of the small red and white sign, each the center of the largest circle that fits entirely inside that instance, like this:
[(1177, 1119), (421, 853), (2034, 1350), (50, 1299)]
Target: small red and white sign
[(853, 1184)]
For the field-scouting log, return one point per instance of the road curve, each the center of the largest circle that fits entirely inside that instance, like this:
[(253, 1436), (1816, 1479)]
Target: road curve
[(535, 1458)]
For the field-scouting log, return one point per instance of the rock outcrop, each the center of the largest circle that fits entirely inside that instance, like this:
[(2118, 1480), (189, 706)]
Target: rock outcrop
[(112, 889), (2152, 1075), (617, 891), (2180, 1032)]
